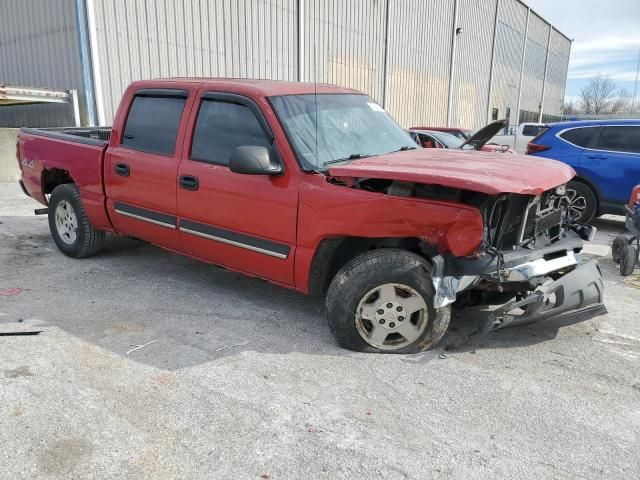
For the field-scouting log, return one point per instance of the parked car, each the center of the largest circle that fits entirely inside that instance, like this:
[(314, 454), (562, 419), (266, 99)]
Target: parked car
[(461, 133), (606, 157), (317, 189), (518, 137), (477, 141)]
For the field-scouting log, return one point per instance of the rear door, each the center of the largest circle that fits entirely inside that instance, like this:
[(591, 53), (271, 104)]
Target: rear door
[(245, 222), (570, 145), (141, 168), (613, 163)]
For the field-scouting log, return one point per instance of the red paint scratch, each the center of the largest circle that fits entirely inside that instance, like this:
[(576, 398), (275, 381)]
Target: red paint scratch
[(9, 292)]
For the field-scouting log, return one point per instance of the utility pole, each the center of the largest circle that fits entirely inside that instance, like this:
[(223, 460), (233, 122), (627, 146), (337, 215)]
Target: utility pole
[(635, 88)]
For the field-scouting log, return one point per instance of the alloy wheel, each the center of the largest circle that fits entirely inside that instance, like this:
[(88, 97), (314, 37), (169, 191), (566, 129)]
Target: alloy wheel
[(391, 316)]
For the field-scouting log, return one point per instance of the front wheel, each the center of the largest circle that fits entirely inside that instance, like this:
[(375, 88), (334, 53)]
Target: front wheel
[(382, 301), (69, 225)]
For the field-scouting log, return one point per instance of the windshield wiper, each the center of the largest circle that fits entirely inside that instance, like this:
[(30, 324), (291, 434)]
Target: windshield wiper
[(404, 148), (353, 156)]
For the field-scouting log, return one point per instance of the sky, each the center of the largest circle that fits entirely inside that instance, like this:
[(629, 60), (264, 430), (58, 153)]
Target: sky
[(606, 36)]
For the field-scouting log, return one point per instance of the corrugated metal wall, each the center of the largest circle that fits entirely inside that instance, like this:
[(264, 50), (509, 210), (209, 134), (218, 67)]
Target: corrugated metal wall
[(559, 50), (343, 43), (39, 47), (510, 39), (534, 63), (419, 60), (512, 21), (473, 62), (140, 39)]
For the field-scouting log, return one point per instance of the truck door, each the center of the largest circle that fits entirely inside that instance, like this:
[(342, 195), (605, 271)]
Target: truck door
[(141, 165), (244, 222)]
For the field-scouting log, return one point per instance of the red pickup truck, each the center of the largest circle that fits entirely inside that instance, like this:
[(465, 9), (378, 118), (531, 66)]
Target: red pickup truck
[(316, 188)]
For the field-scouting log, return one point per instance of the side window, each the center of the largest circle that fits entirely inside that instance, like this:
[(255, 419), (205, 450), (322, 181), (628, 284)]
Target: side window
[(152, 124), (621, 139), (427, 141), (579, 136), (532, 130), (221, 127)]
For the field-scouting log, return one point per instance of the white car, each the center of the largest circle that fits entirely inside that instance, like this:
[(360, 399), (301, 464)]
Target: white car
[(521, 136)]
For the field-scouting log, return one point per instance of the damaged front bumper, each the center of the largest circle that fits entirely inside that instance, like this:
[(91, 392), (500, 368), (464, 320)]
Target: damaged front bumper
[(578, 295), (562, 286)]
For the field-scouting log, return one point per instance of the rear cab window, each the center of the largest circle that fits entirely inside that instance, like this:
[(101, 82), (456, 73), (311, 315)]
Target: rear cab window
[(153, 121)]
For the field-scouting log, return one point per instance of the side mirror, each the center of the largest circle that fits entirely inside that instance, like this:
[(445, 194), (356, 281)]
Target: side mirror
[(253, 160)]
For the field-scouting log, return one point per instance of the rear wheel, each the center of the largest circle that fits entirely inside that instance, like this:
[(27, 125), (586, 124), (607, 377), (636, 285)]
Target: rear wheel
[(382, 301), (69, 225), (582, 202), (617, 246), (628, 260)]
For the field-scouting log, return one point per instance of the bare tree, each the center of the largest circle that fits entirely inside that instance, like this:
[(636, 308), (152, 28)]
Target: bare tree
[(597, 95), (620, 103), (569, 108)]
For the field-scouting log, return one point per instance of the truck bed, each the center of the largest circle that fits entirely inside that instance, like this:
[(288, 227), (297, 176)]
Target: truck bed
[(91, 135), (47, 156)]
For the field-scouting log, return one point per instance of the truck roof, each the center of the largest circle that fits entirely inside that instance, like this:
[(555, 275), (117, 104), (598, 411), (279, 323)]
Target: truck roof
[(267, 88)]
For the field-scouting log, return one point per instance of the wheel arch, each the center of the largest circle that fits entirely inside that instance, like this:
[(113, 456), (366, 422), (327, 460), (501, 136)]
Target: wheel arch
[(333, 253), (52, 177)]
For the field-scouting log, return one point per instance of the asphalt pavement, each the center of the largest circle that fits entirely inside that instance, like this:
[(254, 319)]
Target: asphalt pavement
[(148, 364)]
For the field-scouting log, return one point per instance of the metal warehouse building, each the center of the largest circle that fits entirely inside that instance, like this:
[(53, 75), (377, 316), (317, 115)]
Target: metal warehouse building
[(435, 62)]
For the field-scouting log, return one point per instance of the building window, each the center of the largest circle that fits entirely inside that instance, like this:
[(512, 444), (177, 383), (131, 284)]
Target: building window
[(494, 114)]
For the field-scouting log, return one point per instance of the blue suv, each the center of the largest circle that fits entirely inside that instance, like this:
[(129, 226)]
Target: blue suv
[(606, 157)]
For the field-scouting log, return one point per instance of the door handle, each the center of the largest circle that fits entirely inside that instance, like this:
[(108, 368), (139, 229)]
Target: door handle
[(597, 157), (189, 182), (122, 169)]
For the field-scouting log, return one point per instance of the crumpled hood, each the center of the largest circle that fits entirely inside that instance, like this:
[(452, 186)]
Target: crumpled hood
[(490, 173)]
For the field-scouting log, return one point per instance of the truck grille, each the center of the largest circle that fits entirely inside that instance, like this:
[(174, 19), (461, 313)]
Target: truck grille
[(542, 217), (539, 224), (547, 222)]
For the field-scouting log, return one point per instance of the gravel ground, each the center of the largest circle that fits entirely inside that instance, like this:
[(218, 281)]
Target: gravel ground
[(241, 379)]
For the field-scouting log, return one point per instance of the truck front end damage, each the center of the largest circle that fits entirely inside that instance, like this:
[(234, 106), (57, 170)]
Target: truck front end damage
[(529, 267)]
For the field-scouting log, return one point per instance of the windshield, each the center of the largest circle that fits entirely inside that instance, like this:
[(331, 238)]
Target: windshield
[(448, 140), (461, 134), (330, 128)]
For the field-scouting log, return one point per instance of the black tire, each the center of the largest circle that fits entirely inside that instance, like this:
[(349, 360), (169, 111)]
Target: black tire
[(88, 241), (628, 260), (369, 271), (617, 246), (584, 202)]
